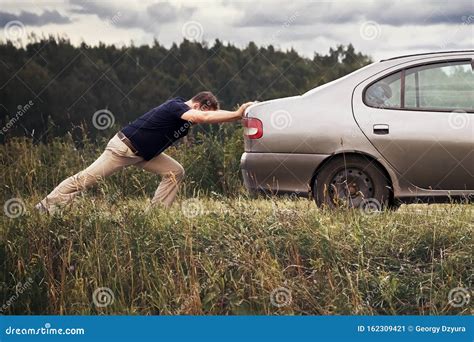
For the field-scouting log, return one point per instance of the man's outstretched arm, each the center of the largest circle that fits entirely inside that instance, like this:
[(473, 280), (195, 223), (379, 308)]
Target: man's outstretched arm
[(216, 116)]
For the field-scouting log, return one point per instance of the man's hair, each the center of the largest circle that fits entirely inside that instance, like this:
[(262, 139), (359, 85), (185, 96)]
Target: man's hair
[(206, 100)]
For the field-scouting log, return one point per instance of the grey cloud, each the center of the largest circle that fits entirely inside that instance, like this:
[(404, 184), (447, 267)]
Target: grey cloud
[(300, 14), (33, 19), (117, 17), (153, 15), (89, 7), (165, 12), (382, 12), (417, 13)]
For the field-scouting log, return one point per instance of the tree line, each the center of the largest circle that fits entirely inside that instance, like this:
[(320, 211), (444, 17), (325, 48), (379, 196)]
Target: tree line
[(50, 87)]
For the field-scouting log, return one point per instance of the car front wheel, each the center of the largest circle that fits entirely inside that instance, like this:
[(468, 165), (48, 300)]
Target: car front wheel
[(353, 182)]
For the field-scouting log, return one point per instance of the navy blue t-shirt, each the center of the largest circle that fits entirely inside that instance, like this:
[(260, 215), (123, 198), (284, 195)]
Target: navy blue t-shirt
[(155, 131)]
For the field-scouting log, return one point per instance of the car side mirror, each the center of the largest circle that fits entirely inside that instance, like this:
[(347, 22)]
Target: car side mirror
[(472, 64)]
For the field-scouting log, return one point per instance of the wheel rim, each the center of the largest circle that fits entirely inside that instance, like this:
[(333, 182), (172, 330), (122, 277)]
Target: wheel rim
[(350, 186)]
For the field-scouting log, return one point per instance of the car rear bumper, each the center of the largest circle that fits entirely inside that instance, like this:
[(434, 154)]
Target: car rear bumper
[(275, 173)]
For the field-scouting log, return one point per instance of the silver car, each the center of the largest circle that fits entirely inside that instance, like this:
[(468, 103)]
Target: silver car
[(397, 130)]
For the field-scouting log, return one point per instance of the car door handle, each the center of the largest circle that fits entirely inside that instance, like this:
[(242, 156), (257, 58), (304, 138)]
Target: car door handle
[(381, 129)]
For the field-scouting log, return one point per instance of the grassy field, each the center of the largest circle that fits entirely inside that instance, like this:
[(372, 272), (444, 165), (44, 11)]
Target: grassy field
[(219, 254)]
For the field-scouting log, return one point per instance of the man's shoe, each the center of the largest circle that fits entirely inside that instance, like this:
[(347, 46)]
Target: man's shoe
[(41, 208)]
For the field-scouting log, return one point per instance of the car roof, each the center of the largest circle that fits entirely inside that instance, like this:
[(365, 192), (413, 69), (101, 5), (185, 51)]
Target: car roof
[(376, 68), (426, 54)]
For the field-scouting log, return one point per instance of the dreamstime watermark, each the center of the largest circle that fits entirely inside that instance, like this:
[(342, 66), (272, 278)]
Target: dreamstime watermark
[(103, 297), (189, 300), (14, 207), (46, 330), (19, 289), (370, 30), (284, 26), (281, 119), (113, 20), (466, 20), (371, 296), (281, 297), (370, 206), (458, 119), (14, 29), (459, 296), (192, 30), (21, 110), (182, 130), (93, 216), (103, 119), (192, 207), (284, 209)]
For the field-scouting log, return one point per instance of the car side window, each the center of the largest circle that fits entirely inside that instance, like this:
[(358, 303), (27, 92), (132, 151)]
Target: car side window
[(444, 86), (385, 93)]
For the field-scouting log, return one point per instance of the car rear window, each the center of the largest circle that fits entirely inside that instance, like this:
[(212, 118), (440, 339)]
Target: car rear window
[(385, 93)]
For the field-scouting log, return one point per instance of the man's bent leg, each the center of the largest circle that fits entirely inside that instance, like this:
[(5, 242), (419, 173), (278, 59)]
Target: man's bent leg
[(172, 173), (116, 156)]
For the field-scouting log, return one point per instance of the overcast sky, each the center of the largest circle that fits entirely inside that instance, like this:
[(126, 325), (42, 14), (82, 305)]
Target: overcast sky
[(378, 28)]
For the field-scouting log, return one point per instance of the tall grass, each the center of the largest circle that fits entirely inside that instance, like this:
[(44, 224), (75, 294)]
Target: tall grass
[(211, 163), (221, 253)]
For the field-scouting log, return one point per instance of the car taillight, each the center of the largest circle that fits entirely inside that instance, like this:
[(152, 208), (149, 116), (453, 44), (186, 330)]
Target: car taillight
[(253, 128)]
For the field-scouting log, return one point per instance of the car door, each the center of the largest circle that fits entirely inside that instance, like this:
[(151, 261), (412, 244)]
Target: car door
[(420, 119)]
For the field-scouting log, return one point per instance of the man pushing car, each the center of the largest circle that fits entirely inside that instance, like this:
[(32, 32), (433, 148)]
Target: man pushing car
[(142, 143)]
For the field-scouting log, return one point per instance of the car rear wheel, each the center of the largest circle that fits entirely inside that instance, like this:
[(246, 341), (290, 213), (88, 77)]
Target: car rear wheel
[(353, 182)]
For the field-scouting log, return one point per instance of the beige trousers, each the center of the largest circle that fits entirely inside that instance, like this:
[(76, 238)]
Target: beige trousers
[(117, 156)]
